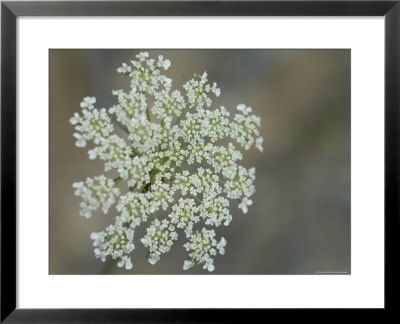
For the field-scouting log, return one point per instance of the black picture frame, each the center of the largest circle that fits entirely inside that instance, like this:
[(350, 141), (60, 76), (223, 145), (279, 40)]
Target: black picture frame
[(9, 13)]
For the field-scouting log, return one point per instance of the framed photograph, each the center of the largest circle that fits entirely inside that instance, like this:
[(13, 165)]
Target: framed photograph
[(183, 161)]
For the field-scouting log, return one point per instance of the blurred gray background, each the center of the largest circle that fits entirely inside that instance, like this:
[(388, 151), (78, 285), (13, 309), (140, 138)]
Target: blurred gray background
[(299, 222)]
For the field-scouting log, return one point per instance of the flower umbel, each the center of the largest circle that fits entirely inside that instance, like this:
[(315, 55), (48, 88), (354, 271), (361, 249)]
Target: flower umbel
[(169, 152)]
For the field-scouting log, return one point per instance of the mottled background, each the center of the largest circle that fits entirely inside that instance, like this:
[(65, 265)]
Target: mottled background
[(299, 222)]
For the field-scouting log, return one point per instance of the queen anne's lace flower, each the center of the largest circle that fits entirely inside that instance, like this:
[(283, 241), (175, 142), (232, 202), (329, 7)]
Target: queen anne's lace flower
[(116, 241), (165, 132), (96, 192), (159, 239), (202, 247), (185, 215)]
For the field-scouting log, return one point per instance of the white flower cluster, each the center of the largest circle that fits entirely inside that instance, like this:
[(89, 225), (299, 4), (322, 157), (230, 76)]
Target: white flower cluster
[(167, 135), (202, 247), (96, 192), (159, 238)]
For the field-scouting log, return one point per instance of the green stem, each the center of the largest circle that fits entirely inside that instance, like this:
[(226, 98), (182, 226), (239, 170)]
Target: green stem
[(153, 173), (120, 125), (117, 180), (197, 198), (136, 152), (180, 116), (142, 187), (148, 113), (163, 160), (126, 131)]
